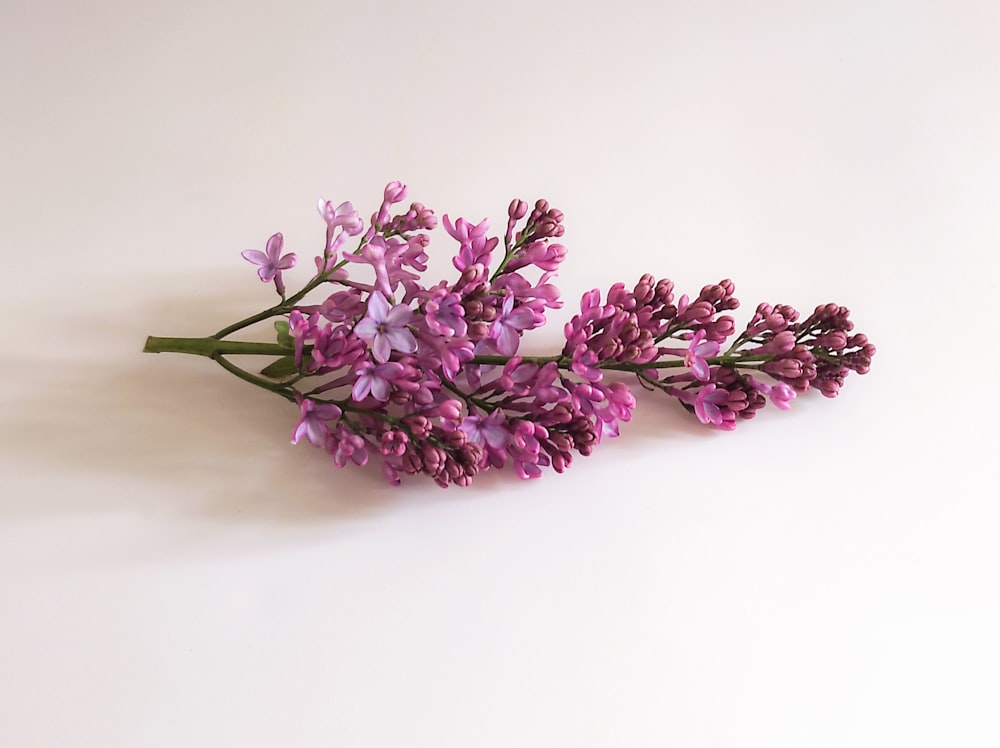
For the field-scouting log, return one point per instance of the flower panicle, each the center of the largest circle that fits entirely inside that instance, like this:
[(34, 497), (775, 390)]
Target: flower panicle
[(429, 378)]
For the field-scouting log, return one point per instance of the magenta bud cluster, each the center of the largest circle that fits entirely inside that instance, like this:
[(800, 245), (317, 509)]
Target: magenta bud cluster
[(429, 378)]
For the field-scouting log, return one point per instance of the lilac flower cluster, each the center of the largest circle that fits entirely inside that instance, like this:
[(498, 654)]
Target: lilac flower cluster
[(428, 378)]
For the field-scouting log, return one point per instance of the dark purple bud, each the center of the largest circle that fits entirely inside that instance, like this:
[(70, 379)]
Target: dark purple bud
[(419, 425), (478, 330), (454, 439), (835, 341)]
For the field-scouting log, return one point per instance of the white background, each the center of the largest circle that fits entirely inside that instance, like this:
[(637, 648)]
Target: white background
[(174, 573)]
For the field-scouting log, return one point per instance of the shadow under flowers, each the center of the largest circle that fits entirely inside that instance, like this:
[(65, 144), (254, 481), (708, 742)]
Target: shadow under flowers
[(100, 426)]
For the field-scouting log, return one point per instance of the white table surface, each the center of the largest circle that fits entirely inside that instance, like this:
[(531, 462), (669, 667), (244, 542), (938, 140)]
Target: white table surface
[(174, 573)]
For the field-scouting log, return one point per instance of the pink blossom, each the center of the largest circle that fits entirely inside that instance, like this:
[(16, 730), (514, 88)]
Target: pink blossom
[(709, 406), (506, 330), (377, 380), (271, 262), (344, 216), (384, 328), (486, 431), (699, 350), (311, 424)]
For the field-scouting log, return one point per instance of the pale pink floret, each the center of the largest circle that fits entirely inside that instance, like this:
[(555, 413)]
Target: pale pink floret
[(271, 262), (506, 329), (377, 380), (311, 423), (699, 350), (486, 431), (384, 328), (708, 406)]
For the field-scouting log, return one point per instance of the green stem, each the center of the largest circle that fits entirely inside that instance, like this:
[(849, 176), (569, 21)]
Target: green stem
[(274, 311), (212, 346), (286, 305), (470, 399)]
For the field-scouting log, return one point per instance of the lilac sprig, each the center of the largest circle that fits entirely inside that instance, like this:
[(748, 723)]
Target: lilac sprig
[(427, 378)]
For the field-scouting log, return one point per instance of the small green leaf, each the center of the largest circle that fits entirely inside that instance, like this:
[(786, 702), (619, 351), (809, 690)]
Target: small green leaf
[(284, 336), (281, 368)]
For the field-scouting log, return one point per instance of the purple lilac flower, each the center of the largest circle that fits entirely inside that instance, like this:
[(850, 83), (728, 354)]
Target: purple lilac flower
[(506, 329), (374, 254), (453, 354), (476, 247), (311, 423), (699, 350), (343, 306), (709, 406), (445, 314), (384, 328), (781, 395), (377, 380), (487, 431), (584, 363), (271, 262), (334, 348), (343, 216), (301, 328), (394, 442), (395, 192), (346, 446)]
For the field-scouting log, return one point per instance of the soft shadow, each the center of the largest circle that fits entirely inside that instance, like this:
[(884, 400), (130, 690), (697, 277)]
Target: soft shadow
[(175, 434), (101, 426)]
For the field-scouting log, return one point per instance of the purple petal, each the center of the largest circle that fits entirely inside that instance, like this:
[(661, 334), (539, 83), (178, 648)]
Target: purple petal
[(287, 262), (527, 470), (470, 425), (389, 371), (524, 373), (706, 349), (707, 413), (496, 436), (366, 329), (718, 396), (381, 347), (362, 387), (274, 245), (255, 256), (316, 432), (521, 318), (374, 251), (328, 412), (378, 307), (381, 389), (507, 340), (401, 340), (267, 272), (398, 316), (701, 370)]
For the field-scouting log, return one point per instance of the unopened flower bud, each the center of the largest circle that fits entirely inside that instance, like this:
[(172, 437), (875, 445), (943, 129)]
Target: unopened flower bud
[(395, 192), (478, 330), (450, 409)]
